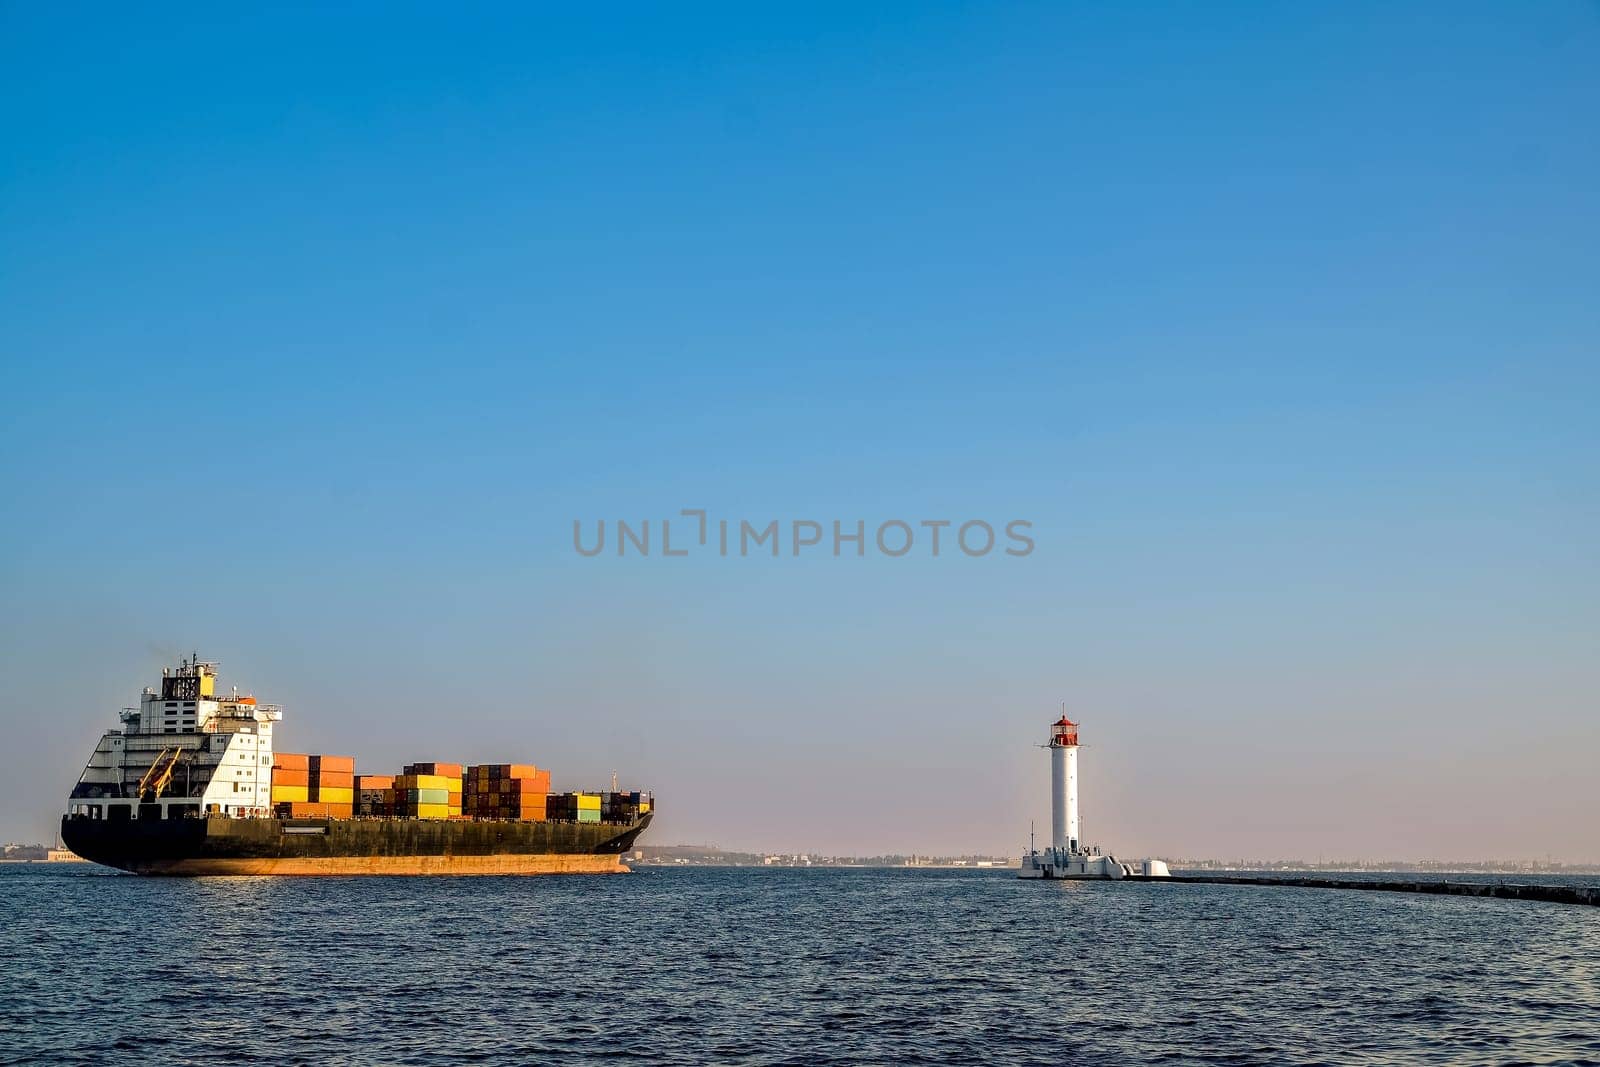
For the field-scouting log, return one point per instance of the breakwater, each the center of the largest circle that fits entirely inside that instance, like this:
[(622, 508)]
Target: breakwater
[(1551, 894)]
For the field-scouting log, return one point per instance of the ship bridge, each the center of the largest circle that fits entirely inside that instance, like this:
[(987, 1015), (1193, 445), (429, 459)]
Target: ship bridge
[(185, 750)]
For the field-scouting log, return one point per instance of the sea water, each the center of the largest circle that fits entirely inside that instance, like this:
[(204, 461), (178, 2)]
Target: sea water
[(772, 966)]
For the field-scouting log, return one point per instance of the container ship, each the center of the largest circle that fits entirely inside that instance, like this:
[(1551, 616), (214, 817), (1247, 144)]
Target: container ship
[(192, 784)]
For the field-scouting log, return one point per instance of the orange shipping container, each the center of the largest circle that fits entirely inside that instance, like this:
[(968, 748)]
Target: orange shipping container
[(336, 779), (292, 760), (374, 781), (314, 809), (289, 776), (535, 783), (448, 770), (346, 764)]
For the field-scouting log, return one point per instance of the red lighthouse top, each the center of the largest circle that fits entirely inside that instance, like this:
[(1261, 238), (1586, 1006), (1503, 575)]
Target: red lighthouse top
[(1063, 732)]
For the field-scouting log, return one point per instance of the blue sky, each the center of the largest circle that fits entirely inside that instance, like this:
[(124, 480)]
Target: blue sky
[(320, 329)]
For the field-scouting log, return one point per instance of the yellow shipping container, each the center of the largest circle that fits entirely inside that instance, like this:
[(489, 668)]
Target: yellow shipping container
[(433, 811), (294, 794), (336, 795), (589, 800), (427, 781)]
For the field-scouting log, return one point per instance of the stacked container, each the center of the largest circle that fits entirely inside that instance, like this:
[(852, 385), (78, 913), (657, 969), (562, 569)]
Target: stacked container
[(450, 773), (375, 795), (422, 796), (313, 786), (290, 776), (505, 791), (623, 807), (332, 783), (574, 807)]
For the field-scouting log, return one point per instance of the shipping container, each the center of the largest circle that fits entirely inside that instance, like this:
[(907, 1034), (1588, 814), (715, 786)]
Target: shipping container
[(429, 811), (424, 781), (447, 770), (313, 810)]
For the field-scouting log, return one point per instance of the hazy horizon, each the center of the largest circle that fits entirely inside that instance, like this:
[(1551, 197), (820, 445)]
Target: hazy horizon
[(1277, 325)]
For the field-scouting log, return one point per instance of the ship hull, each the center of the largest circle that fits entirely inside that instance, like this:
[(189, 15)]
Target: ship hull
[(343, 847)]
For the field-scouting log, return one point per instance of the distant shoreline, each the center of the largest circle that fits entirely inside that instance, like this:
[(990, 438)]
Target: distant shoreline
[(73, 859)]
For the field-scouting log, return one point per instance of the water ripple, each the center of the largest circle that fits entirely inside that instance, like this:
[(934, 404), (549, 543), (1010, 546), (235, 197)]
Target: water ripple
[(781, 966)]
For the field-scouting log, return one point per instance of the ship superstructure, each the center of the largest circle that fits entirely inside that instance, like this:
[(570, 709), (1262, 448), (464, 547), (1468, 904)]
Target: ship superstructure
[(1067, 856), (183, 751), (186, 787)]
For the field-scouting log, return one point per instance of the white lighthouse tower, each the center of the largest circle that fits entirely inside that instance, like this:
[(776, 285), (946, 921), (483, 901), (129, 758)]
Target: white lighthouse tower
[(1067, 856), (1064, 786)]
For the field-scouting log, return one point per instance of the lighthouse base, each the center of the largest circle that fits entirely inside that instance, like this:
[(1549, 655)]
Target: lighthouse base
[(1083, 866)]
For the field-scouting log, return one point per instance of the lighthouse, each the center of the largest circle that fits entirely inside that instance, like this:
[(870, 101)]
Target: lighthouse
[(1067, 856), (1064, 786)]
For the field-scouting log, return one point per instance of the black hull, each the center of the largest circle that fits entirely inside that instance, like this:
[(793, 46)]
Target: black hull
[(217, 845)]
